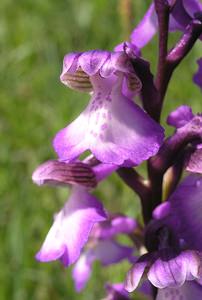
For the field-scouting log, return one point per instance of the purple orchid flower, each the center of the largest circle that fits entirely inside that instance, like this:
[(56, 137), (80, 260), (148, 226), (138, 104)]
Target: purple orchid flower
[(183, 210), (72, 227), (73, 224), (168, 265), (186, 123), (174, 242), (121, 135), (103, 247), (110, 118), (182, 13), (198, 75)]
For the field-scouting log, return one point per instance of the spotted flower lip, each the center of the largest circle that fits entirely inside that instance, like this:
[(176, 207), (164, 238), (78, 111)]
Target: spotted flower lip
[(112, 126)]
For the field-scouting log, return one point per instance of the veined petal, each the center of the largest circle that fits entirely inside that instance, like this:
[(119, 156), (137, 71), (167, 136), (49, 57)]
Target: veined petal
[(189, 290), (72, 75), (54, 172), (78, 68), (173, 269), (195, 161), (179, 117), (71, 228), (135, 273)]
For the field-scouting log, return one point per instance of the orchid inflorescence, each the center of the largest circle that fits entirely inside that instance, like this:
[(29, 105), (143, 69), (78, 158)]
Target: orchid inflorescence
[(166, 255)]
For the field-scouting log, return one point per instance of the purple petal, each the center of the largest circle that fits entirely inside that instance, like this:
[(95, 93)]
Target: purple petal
[(116, 292), (195, 161), (186, 207), (161, 211), (171, 270), (102, 171), (146, 29), (82, 270), (115, 146), (189, 290), (117, 61), (112, 127), (113, 227), (78, 68), (179, 117), (129, 48), (146, 289), (180, 16), (70, 142), (198, 76), (135, 273), (109, 252), (55, 172), (70, 62), (91, 61), (73, 76), (71, 228), (192, 6)]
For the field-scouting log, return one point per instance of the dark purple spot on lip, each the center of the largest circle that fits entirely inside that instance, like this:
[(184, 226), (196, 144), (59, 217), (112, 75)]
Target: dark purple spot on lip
[(101, 136), (104, 126)]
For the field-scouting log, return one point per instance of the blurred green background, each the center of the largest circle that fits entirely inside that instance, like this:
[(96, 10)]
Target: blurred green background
[(34, 105)]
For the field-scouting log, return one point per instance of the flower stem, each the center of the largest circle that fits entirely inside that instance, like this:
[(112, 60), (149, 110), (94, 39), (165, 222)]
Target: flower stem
[(163, 10)]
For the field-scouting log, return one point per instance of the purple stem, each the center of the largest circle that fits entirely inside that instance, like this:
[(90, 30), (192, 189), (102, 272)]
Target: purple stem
[(158, 165), (137, 183), (149, 92), (174, 57), (162, 9), (168, 156)]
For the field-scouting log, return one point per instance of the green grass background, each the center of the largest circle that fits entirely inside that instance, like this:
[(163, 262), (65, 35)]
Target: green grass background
[(34, 105)]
